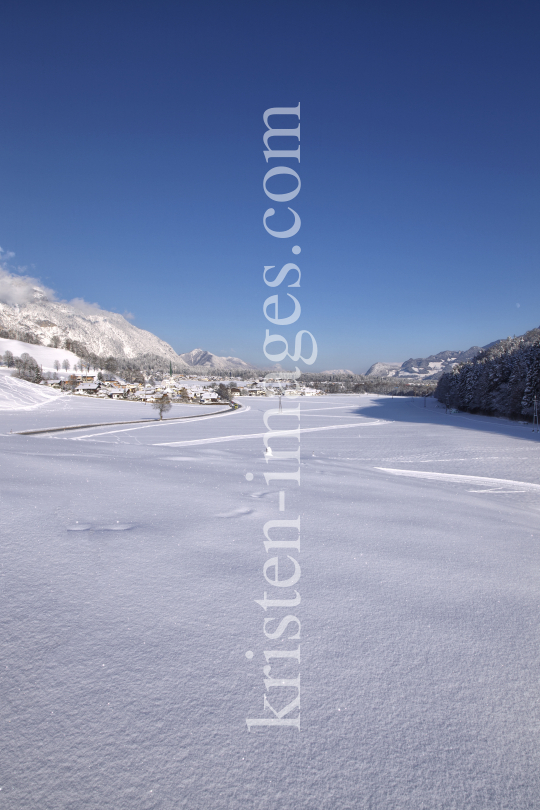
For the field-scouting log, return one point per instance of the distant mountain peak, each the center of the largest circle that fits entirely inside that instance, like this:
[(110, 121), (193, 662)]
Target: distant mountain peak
[(200, 358)]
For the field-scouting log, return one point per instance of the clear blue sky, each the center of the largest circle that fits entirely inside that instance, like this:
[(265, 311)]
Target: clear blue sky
[(131, 166)]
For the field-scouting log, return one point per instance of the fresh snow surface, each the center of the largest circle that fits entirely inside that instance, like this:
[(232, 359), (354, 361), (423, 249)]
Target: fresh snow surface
[(41, 407), (131, 560), (19, 395)]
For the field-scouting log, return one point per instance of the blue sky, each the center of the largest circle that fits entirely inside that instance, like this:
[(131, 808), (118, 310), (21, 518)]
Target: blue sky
[(131, 167)]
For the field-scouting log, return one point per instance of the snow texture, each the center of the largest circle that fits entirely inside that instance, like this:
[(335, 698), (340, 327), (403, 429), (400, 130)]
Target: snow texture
[(20, 395), (131, 559)]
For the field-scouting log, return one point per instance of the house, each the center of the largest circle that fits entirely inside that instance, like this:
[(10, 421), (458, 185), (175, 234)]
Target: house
[(209, 396), (256, 390), (196, 391), (69, 385), (87, 388)]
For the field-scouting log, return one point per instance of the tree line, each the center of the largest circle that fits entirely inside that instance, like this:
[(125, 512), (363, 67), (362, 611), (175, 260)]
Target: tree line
[(362, 384), (26, 367)]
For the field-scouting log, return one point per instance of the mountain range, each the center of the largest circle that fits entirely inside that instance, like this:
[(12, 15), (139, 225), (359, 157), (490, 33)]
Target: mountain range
[(426, 368), (30, 312)]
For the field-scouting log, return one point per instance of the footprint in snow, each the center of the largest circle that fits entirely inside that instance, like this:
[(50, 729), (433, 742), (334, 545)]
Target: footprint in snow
[(113, 527), (116, 527), (235, 513)]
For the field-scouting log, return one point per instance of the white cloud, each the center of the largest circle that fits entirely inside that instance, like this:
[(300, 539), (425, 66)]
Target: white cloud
[(5, 256), (17, 288), (129, 316), (85, 307), (21, 289)]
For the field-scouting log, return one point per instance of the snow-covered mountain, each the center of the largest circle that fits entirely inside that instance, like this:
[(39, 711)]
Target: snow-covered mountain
[(199, 358), (30, 309), (383, 370), (424, 368), (103, 333)]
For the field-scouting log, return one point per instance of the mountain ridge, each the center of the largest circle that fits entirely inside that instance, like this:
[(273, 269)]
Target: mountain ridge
[(426, 368)]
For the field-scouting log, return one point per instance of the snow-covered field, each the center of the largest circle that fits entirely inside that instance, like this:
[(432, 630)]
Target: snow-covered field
[(45, 356), (131, 559), (25, 406)]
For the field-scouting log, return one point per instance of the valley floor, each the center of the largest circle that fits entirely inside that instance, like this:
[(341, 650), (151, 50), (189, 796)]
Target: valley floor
[(132, 556)]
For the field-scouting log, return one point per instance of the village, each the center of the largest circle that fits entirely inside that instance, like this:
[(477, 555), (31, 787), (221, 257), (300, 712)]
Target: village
[(179, 388)]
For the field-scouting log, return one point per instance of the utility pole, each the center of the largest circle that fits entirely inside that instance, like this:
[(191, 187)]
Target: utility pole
[(535, 414)]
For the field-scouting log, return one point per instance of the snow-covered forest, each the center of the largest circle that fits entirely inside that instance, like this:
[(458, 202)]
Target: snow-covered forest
[(501, 380)]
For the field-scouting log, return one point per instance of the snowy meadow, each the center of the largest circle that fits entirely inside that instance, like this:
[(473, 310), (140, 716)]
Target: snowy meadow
[(132, 557)]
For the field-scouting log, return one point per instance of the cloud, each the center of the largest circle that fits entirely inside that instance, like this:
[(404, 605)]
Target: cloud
[(21, 289), (5, 256), (85, 307), (17, 288), (129, 316)]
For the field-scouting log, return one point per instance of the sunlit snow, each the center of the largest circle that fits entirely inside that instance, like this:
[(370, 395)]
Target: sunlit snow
[(131, 561)]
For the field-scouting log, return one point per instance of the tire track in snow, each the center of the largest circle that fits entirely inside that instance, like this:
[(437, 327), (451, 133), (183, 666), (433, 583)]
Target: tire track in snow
[(462, 479), (160, 423), (238, 437)]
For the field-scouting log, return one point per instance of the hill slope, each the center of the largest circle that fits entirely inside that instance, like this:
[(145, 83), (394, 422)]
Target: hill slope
[(19, 395)]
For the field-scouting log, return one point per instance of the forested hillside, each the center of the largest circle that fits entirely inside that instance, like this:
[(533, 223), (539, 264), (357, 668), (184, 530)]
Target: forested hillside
[(501, 380)]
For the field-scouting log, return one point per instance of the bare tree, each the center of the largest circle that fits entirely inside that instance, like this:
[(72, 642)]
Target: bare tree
[(163, 405), (66, 365), (224, 392), (57, 365)]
